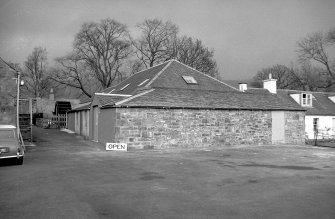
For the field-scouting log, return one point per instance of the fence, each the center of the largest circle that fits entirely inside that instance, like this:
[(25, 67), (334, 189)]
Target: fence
[(52, 121)]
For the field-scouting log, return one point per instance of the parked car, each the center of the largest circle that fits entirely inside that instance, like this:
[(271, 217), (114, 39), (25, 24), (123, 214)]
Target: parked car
[(11, 146)]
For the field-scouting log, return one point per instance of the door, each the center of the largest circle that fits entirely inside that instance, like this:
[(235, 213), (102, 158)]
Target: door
[(95, 123), (278, 127)]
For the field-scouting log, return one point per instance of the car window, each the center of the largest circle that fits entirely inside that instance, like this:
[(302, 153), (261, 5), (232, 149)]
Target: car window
[(6, 134)]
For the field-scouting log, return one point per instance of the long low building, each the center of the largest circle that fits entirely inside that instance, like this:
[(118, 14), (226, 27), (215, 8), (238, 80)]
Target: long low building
[(174, 105)]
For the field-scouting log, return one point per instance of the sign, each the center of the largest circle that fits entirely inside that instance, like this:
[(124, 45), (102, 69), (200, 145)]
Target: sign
[(116, 147)]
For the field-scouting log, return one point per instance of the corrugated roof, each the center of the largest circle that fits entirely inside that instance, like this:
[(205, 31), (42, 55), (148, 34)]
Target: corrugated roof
[(321, 104), (186, 98)]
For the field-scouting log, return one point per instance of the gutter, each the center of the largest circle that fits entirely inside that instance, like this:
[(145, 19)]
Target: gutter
[(198, 108)]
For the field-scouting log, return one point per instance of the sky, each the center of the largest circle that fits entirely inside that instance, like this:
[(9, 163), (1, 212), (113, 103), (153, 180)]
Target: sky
[(246, 35)]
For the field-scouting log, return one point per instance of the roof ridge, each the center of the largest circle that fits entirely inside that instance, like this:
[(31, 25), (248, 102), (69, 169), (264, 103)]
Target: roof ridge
[(320, 92), (205, 74), (256, 88), (216, 91), (116, 95), (158, 74), (150, 67)]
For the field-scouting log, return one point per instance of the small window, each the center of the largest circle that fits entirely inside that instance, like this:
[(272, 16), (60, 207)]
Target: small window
[(315, 124), (111, 91), (190, 80), (143, 82), (306, 99), (124, 87)]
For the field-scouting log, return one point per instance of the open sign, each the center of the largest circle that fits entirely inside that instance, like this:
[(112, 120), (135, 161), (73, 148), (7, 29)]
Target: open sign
[(116, 147)]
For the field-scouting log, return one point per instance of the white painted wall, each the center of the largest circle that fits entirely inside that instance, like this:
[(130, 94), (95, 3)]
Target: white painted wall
[(296, 97), (77, 123), (278, 127), (82, 123), (324, 123)]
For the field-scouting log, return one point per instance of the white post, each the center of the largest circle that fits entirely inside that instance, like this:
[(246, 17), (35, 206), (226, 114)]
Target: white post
[(31, 118), (18, 103)]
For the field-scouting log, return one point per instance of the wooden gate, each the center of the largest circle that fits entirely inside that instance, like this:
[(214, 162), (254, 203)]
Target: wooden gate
[(52, 121)]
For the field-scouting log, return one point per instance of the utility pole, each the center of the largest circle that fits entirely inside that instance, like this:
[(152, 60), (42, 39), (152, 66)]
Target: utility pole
[(18, 82)]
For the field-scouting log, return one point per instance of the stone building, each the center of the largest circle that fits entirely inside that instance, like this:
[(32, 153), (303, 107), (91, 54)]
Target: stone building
[(320, 111), (174, 105)]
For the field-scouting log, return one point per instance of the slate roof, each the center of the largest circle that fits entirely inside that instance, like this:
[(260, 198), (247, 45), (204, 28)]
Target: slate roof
[(135, 80), (321, 104), (196, 99), (80, 107), (102, 100), (166, 88), (168, 75)]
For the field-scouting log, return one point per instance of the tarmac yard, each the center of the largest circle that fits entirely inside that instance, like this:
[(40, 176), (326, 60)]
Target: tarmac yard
[(64, 176)]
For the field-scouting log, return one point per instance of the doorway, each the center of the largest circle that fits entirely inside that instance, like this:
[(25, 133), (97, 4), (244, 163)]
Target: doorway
[(278, 127)]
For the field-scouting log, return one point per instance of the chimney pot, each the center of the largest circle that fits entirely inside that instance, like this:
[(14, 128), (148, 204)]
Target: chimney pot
[(243, 87)]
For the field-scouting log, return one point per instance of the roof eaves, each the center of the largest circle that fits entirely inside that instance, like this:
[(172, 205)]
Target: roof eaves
[(133, 97), (205, 108)]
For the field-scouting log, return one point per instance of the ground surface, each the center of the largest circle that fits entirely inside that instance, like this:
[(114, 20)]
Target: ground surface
[(67, 177)]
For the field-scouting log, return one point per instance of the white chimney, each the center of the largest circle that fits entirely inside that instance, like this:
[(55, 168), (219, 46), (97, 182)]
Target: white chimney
[(52, 95), (270, 84), (243, 86)]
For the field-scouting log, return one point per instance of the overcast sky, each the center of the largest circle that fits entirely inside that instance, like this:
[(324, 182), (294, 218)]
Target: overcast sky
[(247, 35)]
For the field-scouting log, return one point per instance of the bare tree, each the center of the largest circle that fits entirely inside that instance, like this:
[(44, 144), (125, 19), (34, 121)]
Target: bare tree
[(314, 47), (286, 77), (193, 53), (36, 76), (310, 78), (103, 47), (7, 85), (157, 42), (72, 72)]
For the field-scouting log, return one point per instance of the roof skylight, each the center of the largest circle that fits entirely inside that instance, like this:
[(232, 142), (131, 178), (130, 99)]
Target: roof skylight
[(189, 79), (124, 87), (111, 91), (143, 82)]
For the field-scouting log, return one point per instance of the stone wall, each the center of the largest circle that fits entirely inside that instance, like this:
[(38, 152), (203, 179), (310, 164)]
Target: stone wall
[(162, 128), (294, 127)]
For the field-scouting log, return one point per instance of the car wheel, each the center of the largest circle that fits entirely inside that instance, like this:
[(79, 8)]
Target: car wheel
[(19, 161)]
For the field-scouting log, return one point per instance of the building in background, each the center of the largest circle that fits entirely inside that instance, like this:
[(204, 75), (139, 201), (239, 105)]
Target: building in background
[(173, 105)]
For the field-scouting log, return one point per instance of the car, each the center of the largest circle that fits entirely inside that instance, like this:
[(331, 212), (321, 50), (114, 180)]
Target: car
[(11, 146)]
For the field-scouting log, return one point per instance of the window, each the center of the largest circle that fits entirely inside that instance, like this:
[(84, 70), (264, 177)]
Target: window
[(306, 99), (111, 91), (124, 87), (190, 80), (143, 82), (315, 124)]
